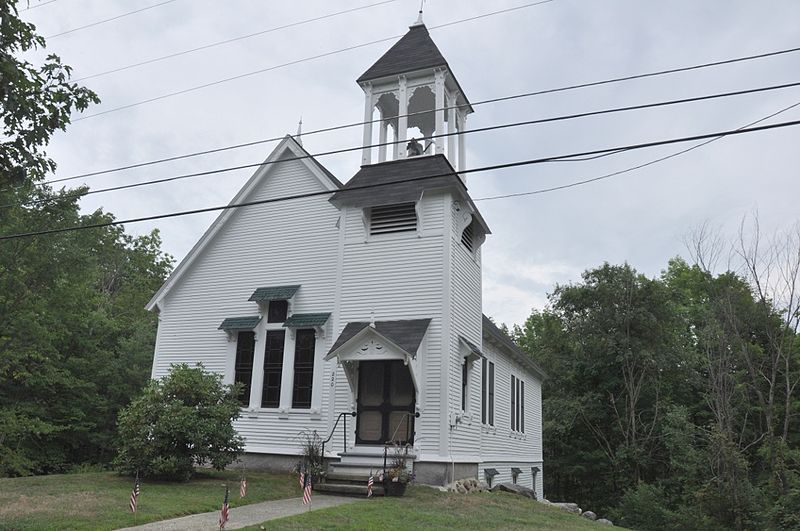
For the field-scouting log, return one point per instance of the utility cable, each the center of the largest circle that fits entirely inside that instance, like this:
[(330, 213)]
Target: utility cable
[(40, 4), (443, 135), (632, 168), (228, 41), (338, 127), (515, 164), (290, 63), (108, 19)]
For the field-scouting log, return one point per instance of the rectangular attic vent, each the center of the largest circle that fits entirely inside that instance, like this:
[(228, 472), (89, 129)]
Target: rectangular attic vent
[(400, 217)]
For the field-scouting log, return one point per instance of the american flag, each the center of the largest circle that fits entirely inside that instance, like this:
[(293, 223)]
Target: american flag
[(134, 495), (306, 488), (243, 487), (302, 480), (225, 512), (370, 481)]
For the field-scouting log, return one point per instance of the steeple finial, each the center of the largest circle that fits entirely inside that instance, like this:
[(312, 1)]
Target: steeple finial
[(299, 131), (419, 17)]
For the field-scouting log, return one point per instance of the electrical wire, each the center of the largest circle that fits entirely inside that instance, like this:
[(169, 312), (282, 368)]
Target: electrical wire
[(40, 4), (357, 124), (291, 63), (632, 168), (515, 164), (228, 41), (109, 19), (163, 180)]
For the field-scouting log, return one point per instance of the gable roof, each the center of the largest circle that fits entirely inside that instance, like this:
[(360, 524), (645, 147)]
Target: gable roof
[(414, 51), (403, 180), (302, 320), (240, 323), (491, 331), (406, 334), (288, 144)]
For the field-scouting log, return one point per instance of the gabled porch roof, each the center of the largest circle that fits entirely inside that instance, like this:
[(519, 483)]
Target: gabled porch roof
[(406, 335)]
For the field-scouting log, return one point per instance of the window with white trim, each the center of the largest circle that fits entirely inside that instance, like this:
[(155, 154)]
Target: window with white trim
[(517, 405), (273, 369), (487, 392), (243, 367), (389, 219), (304, 348)]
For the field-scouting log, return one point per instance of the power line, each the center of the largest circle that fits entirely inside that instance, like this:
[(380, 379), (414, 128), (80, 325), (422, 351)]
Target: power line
[(483, 102), (632, 168), (290, 63), (228, 41), (515, 164), (40, 4), (108, 19), (443, 135)]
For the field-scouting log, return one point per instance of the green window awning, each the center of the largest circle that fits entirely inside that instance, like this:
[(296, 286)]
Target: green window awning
[(306, 320), (274, 293), (240, 323)]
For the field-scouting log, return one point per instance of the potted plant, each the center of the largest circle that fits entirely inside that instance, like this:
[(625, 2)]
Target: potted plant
[(397, 475)]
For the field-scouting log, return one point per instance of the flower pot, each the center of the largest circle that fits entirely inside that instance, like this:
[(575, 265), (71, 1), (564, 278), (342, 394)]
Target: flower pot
[(395, 488)]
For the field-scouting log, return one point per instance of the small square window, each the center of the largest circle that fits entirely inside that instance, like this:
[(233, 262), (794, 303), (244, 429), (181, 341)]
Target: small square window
[(277, 311)]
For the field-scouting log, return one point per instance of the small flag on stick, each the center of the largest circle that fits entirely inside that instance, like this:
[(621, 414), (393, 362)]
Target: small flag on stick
[(225, 512), (134, 494), (306, 488), (243, 487), (370, 481)]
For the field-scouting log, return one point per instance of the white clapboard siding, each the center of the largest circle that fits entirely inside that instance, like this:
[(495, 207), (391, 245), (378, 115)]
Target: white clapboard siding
[(293, 242)]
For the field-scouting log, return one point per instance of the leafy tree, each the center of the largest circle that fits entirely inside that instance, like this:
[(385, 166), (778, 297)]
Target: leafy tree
[(184, 420), (75, 341)]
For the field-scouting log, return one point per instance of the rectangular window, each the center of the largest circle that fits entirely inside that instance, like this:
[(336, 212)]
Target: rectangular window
[(273, 368), (464, 380), (491, 394), (243, 367), (304, 347), (514, 411), (276, 313), (484, 389), (517, 405), (387, 219)]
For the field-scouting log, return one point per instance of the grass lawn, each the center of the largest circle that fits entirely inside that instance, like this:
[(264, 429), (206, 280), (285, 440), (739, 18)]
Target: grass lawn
[(100, 500), (426, 508)]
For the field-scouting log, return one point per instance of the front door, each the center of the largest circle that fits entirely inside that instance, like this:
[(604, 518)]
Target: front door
[(385, 403)]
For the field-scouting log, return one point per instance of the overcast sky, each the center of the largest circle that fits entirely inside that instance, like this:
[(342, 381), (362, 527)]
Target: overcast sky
[(640, 217)]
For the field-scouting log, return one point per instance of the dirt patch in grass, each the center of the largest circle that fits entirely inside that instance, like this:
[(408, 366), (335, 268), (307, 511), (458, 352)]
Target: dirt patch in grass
[(68, 504)]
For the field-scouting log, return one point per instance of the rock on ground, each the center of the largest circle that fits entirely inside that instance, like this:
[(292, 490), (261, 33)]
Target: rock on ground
[(605, 521), (589, 514), (569, 507), (516, 489)]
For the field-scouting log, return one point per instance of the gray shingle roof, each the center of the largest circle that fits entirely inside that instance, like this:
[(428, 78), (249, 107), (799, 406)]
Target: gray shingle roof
[(394, 185), (521, 357), (405, 334), (472, 346), (392, 181), (414, 51), (240, 323), (274, 293), (302, 320)]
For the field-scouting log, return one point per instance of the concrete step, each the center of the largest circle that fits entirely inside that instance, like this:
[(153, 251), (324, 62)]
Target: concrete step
[(347, 489), (355, 470), (347, 477)]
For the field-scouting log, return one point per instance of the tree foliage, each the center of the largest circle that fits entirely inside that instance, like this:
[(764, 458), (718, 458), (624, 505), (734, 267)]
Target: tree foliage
[(183, 420), (671, 402), (75, 341)]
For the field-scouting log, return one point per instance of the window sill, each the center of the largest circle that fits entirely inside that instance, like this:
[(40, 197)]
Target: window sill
[(486, 428), (517, 435), (255, 412)]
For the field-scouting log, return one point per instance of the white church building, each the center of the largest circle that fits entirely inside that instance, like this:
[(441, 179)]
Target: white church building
[(363, 298)]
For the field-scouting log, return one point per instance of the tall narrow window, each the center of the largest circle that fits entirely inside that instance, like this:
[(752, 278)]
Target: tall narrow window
[(273, 368), (514, 412), (304, 347), (243, 368), (464, 380), (522, 406), (484, 389), (491, 394)]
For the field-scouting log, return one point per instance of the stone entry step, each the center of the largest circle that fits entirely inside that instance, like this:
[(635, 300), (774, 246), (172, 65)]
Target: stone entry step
[(349, 489)]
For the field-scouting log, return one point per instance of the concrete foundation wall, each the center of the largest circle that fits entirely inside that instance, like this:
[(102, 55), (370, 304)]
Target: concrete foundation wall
[(432, 473)]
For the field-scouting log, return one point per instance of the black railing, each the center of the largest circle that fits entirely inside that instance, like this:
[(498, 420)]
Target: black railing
[(333, 430), (407, 418)]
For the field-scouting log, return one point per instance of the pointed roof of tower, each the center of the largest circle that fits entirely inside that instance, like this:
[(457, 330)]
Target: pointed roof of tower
[(415, 51)]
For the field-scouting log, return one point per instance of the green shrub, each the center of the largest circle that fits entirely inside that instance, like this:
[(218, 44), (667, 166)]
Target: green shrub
[(183, 420)]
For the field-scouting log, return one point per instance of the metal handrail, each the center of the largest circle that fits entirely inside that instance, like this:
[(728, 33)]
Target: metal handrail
[(333, 430)]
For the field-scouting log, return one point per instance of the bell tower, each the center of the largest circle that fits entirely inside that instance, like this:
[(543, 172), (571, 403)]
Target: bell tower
[(415, 102)]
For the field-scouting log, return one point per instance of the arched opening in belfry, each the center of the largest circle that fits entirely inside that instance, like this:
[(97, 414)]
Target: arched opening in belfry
[(387, 108)]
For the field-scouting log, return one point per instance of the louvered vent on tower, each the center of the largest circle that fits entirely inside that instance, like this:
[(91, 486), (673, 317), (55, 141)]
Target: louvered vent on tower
[(401, 217)]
